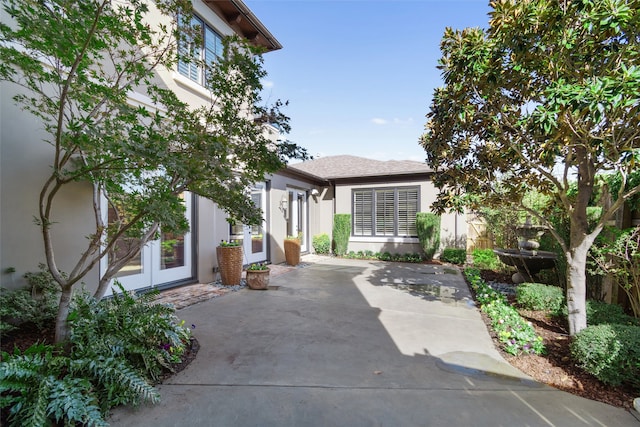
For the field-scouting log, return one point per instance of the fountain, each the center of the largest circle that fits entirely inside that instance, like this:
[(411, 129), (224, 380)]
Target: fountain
[(527, 259)]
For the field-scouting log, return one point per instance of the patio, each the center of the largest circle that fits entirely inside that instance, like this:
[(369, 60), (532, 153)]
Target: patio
[(345, 342)]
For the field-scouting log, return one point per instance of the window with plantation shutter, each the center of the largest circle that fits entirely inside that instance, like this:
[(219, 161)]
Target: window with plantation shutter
[(207, 52), (212, 49), (362, 213), (385, 211), (407, 210)]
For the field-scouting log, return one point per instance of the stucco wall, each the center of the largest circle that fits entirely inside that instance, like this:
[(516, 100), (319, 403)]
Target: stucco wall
[(452, 229), (278, 194), (24, 163), (25, 160)]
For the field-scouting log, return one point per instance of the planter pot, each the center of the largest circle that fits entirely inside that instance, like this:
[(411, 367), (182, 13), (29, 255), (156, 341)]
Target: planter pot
[(258, 279), (230, 264), (292, 251)]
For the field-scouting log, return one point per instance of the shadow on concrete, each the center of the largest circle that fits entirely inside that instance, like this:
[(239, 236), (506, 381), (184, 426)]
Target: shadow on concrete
[(342, 343)]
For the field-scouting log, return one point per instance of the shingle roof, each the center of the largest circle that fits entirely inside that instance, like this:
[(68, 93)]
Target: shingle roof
[(335, 167)]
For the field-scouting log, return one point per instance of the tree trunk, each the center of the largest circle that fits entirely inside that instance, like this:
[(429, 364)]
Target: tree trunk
[(62, 327), (577, 286)]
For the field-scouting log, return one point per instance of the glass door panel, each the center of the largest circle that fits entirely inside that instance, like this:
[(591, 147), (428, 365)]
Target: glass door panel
[(137, 269), (297, 221), (254, 242), (160, 261), (172, 253)]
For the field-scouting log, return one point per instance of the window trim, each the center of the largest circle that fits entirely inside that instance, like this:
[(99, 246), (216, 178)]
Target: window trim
[(374, 206)]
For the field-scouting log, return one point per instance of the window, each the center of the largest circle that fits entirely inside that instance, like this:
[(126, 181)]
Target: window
[(385, 211), (207, 51)]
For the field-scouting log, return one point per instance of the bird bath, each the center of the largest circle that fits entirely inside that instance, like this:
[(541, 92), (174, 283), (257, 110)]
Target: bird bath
[(527, 259)]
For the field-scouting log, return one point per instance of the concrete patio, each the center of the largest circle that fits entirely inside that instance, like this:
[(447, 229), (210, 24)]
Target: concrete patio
[(355, 343)]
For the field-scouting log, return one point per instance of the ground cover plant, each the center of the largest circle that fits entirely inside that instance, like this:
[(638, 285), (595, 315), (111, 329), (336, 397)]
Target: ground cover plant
[(454, 256), (117, 350), (485, 259), (514, 333), (387, 256), (558, 367), (36, 304)]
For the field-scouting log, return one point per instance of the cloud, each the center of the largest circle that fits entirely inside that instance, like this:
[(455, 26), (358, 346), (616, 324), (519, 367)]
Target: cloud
[(407, 121), (268, 84), (394, 121)]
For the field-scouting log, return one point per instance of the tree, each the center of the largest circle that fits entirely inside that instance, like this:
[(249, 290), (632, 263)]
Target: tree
[(77, 63), (547, 97)]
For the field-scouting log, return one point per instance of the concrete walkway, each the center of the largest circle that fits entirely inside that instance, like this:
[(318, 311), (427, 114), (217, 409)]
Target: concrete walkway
[(355, 343)]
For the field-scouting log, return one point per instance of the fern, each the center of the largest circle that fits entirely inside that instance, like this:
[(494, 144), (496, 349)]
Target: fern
[(132, 324), (116, 348), (72, 401)]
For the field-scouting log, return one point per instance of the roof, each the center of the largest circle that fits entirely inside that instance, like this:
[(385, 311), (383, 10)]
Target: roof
[(241, 19), (340, 167)]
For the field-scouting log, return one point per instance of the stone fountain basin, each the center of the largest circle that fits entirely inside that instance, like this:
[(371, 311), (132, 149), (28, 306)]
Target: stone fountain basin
[(533, 261)]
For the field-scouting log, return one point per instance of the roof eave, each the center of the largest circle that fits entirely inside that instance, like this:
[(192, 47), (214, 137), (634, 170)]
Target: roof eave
[(241, 19)]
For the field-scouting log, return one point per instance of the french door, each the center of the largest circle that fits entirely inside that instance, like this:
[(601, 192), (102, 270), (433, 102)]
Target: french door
[(253, 237), (297, 221), (165, 260)]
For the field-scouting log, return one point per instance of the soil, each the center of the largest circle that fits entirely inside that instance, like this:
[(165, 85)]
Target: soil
[(556, 368)]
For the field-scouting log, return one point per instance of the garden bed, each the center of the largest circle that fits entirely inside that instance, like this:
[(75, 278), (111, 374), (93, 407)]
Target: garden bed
[(556, 368)]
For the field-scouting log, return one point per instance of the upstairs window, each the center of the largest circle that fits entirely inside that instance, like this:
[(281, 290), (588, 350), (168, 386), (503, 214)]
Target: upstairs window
[(385, 211), (206, 48)]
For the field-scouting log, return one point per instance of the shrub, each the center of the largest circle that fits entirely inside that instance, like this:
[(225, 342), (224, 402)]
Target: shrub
[(599, 312), (341, 233), (428, 228), (454, 255), (610, 352), (619, 257), (411, 257), (537, 296), (385, 256), (485, 259), (321, 243), (37, 304)]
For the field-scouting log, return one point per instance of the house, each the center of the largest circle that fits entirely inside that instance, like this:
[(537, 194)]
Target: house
[(169, 261), (383, 197)]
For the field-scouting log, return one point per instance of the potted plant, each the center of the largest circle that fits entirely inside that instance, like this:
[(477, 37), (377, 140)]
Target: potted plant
[(229, 255), (258, 276), (292, 249)]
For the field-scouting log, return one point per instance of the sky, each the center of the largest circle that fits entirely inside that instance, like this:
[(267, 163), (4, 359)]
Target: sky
[(359, 74)]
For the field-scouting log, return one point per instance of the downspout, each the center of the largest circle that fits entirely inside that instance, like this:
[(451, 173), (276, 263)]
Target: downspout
[(333, 208), (455, 228)]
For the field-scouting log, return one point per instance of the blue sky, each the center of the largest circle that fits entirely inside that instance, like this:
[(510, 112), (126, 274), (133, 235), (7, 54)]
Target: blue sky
[(359, 74)]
